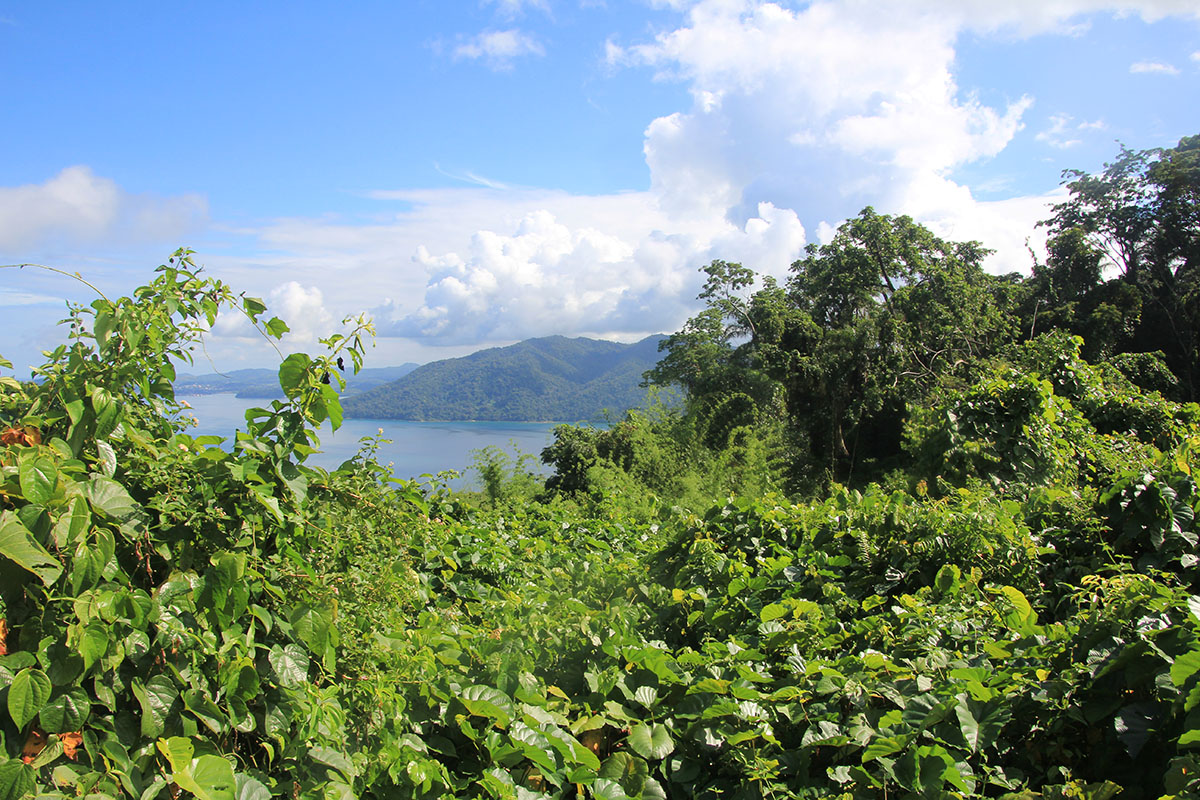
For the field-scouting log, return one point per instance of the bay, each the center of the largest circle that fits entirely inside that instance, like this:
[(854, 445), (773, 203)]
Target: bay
[(414, 449)]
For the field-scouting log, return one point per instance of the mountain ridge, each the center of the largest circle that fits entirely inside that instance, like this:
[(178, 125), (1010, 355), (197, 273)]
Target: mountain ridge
[(264, 382), (545, 379)]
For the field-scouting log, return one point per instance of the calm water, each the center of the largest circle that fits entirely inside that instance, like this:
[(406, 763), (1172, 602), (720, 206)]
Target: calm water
[(416, 448)]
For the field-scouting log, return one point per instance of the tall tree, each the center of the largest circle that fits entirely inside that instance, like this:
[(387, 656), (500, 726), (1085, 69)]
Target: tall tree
[(1141, 214), (883, 314)]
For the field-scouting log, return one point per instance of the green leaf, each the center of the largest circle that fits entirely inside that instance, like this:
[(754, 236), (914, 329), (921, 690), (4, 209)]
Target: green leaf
[(66, 713), (1135, 724), (824, 732), (651, 740), (49, 753), (39, 477), (312, 625), (290, 665), (253, 306), (1015, 609), (948, 578), (249, 788), (17, 780), (110, 498), (646, 695), (210, 778), (93, 643), (1185, 667), (276, 327), (27, 693), (967, 724), (294, 479), (156, 699), (332, 758), (107, 411), (333, 406), (17, 544), (536, 747), (293, 374), (882, 746), (73, 524), (630, 772), (107, 458), (205, 710), (608, 789), (485, 701), (773, 611)]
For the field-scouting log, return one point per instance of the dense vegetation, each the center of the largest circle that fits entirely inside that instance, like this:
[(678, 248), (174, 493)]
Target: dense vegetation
[(538, 380), (916, 532)]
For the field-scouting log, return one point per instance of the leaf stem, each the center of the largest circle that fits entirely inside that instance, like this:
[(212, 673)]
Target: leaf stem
[(73, 275)]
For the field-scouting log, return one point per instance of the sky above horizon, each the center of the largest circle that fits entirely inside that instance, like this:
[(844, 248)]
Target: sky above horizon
[(475, 173)]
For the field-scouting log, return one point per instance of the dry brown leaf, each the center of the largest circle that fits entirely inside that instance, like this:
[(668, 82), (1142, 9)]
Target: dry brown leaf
[(71, 743), (35, 743), (27, 435)]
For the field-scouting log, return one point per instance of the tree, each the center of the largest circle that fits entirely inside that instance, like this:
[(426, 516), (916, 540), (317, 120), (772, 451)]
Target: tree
[(1140, 217), (883, 314)]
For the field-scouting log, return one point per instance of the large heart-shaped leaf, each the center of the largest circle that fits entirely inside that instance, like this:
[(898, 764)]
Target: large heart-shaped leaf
[(66, 713), (651, 740), (39, 477), (27, 693), (18, 545)]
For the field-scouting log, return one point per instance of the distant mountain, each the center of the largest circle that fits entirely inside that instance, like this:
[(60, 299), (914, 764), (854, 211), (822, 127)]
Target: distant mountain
[(265, 382), (537, 380)]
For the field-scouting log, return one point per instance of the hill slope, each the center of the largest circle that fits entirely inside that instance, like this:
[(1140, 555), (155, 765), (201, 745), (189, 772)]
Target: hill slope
[(551, 378), (265, 382)]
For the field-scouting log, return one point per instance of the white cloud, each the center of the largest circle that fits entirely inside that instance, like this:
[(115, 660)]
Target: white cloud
[(1153, 68), (1196, 56), (547, 277), (515, 8), (1032, 17), (78, 206), (1057, 135), (822, 109), (1063, 129), (14, 297), (498, 49), (798, 117), (301, 307)]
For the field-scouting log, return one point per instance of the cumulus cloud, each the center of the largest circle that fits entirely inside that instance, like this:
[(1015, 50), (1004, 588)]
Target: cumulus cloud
[(821, 109), (78, 206), (498, 49), (301, 307), (1153, 68), (798, 118), (546, 276)]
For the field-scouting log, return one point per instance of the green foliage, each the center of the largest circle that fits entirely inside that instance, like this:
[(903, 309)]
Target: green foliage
[(548, 379), (507, 478), (1004, 602), (1138, 217)]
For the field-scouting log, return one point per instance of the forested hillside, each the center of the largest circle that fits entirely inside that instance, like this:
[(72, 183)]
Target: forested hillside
[(915, 532), (549, 379), (264, 383)]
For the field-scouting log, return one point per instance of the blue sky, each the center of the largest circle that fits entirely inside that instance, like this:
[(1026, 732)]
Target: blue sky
[(478, 172)]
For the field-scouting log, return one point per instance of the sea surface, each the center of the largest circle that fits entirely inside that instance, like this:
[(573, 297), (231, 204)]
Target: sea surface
[(415, 449)]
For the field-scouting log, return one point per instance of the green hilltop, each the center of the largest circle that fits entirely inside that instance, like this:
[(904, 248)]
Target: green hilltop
[(552, 378)]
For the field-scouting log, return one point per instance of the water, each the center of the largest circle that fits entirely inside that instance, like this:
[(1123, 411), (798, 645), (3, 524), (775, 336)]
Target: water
[(416, 448)]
